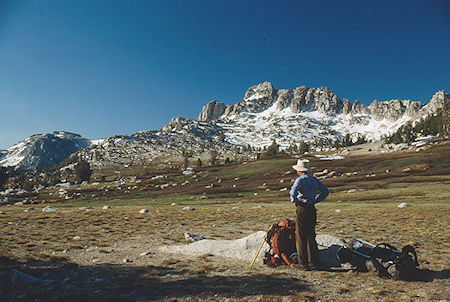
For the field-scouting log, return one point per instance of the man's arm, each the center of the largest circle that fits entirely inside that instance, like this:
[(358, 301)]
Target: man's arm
[(323, 192), (295, 189)]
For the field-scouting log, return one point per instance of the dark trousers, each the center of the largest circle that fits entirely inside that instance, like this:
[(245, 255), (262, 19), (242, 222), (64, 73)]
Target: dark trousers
[(305, 235)]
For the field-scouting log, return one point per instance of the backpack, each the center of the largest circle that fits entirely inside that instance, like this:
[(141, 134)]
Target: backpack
[(281, 240), (383, 258)]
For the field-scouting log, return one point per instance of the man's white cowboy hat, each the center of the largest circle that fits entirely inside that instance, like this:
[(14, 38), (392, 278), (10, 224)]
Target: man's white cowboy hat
[(302, 165)]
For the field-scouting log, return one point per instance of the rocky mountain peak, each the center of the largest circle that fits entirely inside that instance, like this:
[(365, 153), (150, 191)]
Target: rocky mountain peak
[(212, 111), (438, 100), (257, 98)]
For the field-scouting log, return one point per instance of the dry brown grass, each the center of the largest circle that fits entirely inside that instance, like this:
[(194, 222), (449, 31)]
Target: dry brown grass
[(371, 214)]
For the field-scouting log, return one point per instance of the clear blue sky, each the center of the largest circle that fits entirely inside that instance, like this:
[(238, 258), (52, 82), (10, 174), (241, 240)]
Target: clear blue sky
[(100, 68)]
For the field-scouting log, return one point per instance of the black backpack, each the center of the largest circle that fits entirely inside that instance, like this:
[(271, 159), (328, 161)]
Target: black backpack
[(383, 258)]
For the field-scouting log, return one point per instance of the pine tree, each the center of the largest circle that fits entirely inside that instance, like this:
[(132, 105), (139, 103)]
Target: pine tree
[(272, 150), (303, 148), (199, 163), (3, 177), (83, 171)]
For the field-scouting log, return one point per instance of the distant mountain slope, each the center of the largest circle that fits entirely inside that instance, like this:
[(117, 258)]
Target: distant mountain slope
[(287, 116), (43, 150)]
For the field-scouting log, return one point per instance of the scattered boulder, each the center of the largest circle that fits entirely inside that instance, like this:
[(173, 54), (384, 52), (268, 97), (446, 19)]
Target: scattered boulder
[(145, 253), (48, 209), (235, 208), (144, 211), (29, 209), (106, 207), (354, 190), (403, 205), (188, 208), (173, 204), (76, 238), (193, 237)]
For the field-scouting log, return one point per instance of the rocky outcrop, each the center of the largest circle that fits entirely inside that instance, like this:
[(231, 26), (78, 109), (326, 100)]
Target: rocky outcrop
[(257, 98), (346, 106), (437, 101), (326, 101), (213, 110), (394, 109), (284, 98), (42, 150), (359, 108)]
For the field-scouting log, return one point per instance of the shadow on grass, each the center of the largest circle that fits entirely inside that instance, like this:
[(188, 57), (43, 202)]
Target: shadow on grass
[(65, 281), (426, 275)]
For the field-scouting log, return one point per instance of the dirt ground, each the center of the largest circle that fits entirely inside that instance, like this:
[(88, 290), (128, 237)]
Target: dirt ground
[(116, 258)]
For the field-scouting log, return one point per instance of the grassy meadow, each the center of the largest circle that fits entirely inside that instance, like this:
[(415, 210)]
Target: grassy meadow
[(83, 245)]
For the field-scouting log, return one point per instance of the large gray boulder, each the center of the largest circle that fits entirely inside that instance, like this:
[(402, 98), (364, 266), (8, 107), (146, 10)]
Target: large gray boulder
[(245, 248)]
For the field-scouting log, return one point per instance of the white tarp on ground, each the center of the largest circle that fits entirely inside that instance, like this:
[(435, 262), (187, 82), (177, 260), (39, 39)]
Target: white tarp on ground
[(246, 248)]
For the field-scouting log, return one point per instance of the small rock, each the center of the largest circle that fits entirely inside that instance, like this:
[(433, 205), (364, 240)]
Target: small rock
[(29, 209), (76, 238), (98, 280), (257, 207), (193, 237), (126, 260), (145, 253), (19, 203), (173, 204), (144, 211), (352, 191), (283, 189), (337, 210), (188, 208), (48, 209), (403, 205), (235, 208), (106, 207)]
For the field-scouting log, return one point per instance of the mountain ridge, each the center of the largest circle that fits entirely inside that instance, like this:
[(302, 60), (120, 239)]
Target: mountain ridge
[(287, 116)]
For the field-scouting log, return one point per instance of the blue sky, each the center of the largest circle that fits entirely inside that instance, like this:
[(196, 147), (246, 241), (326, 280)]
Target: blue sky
[(100, 68)]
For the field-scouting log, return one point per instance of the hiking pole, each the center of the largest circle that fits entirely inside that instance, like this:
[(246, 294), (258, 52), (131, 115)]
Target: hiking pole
[(257, 253)]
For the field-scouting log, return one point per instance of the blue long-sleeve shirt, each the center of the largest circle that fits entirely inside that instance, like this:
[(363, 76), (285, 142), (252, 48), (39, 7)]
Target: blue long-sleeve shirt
[(305, 189)]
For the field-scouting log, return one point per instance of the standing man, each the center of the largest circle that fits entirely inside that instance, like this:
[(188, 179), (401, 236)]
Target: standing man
[(304, 195)]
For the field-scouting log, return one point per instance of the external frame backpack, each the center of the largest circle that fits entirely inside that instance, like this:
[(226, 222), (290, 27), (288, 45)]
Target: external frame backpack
[(383, 258)]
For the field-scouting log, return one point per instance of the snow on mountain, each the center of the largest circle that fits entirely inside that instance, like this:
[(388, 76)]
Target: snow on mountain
[(287, 116), (42, 150), (306, 114)]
